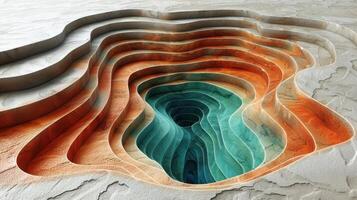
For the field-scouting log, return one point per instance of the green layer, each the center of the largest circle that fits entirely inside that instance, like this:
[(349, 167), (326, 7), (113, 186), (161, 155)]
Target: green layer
[(198, 134)]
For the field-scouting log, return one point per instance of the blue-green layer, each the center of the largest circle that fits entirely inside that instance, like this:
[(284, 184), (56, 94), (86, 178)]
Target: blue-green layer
[(197, 134)]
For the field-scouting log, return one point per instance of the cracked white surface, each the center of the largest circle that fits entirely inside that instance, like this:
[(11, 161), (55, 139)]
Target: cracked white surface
[(331, 174)]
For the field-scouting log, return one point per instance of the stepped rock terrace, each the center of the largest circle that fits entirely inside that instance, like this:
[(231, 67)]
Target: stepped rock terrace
[(192, 99)]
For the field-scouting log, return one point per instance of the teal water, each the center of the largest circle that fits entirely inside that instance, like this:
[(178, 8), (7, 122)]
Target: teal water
[(198, 135)]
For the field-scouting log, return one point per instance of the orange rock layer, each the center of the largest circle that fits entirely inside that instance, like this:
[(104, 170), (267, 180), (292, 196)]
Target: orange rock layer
[(91, 123)]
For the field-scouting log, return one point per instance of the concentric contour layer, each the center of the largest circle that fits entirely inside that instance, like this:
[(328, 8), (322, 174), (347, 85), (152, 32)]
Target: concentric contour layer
[(192, 99)]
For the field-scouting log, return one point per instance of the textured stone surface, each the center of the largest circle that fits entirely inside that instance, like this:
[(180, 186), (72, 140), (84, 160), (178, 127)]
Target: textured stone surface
[(331, 174)]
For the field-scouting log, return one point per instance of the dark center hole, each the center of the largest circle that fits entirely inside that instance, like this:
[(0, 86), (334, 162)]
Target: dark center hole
[(185, 115), (185, 119)]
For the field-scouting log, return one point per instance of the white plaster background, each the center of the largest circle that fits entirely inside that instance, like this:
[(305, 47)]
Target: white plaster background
[(331, 174)]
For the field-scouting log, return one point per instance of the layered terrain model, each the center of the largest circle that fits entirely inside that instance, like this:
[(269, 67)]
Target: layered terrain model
[(200, 100)]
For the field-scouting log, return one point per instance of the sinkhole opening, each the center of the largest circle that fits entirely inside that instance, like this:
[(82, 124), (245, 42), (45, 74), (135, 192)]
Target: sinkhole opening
[(186, 119), (184, 114), (197, 133)]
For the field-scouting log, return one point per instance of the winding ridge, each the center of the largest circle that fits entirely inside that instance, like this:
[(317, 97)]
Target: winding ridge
[(194, 99)]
